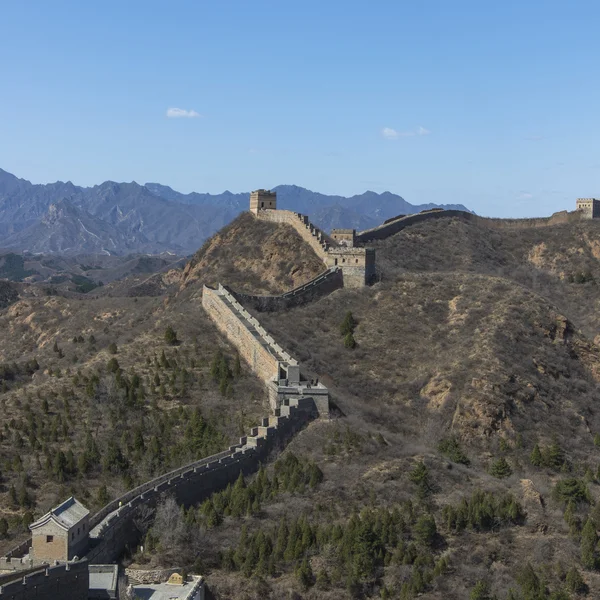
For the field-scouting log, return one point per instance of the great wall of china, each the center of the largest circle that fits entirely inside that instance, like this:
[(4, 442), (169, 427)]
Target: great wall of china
[(293, 400)]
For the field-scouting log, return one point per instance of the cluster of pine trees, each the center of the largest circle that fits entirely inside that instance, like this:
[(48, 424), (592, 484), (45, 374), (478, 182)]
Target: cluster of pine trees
[(353, 553), (154, 441), (10, 372), (290, 475), (483, 511)]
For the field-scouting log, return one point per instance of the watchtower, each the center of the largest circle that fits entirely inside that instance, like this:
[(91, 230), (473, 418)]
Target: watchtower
[(262, 200), (344, 237), (590, 207), (61, 533)]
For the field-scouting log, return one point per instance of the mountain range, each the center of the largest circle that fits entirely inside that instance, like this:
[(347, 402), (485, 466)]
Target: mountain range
[(121, 218)]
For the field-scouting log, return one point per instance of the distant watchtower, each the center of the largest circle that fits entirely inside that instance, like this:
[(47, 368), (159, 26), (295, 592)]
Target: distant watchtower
[(590, 207), (262, 200)]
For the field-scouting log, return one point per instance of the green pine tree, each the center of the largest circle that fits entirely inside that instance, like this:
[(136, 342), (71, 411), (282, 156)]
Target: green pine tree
[(171, 336), (349, 341), (348, 325), (536, 458), (589, 541), (500, 468)]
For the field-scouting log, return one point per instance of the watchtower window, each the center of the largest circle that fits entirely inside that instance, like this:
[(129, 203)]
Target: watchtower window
[(49, 539), (357, 260), (343, 260), (262, 204), (336, 261)]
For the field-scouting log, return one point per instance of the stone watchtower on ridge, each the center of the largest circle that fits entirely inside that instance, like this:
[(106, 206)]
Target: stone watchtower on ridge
[(589, 207), (61, 533), (261, 200)]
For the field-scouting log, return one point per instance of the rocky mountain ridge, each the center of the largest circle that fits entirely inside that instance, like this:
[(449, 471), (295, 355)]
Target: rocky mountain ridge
[(120, 218)]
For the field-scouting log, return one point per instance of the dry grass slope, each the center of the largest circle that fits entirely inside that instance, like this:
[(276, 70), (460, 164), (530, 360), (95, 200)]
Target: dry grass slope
[(252, 256)]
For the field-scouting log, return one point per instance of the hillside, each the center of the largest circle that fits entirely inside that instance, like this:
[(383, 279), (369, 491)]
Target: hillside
[(464, 441), (561, 263), (93, 400), (252, 256), (90, 272)]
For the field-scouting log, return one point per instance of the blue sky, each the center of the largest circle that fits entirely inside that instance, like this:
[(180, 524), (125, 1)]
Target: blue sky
[(494, 105)]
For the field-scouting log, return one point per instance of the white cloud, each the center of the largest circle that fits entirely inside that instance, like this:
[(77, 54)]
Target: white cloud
[(393, 134), (525, 196), (178, 113)]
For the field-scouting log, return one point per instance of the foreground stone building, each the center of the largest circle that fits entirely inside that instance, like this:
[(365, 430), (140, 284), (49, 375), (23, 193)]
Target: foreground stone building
[(60, 534)]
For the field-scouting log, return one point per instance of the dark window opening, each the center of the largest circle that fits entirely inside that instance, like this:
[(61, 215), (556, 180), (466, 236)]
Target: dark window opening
[(336, 261), (49, 539), (262, 204)]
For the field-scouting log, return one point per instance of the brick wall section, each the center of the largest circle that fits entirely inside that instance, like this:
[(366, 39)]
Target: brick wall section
[(196, 482), (114, 525), (62, 582), (387, 229), (320, 286), (317, 239), (253, 342), (261, 361)]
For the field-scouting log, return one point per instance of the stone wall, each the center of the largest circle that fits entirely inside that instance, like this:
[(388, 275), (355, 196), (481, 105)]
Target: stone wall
[(63, 582), (14, 560), (318, 287), (388, 229), (113, 528), (137, 576), (264, 355), (196, 482), (317, 239), (258, 355)]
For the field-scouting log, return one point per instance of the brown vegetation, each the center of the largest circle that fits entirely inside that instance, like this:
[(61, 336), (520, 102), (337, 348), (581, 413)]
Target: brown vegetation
[(253, 256), (466, 408)]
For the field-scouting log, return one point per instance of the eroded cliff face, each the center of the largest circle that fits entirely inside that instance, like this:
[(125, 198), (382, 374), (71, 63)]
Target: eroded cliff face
[(252, 256)]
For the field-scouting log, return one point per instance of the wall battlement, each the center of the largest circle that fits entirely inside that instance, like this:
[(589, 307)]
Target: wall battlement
[(265, 357), (356, 274), (390, 228), (318, 240), (320, 286), (280, 372), (68, 581)]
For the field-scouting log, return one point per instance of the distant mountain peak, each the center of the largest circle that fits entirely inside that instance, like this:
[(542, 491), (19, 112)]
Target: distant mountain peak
[(154, 218)]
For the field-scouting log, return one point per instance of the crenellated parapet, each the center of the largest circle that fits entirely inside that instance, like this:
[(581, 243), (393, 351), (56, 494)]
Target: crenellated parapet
[(357, 265), (312, 290), (67, 581)]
